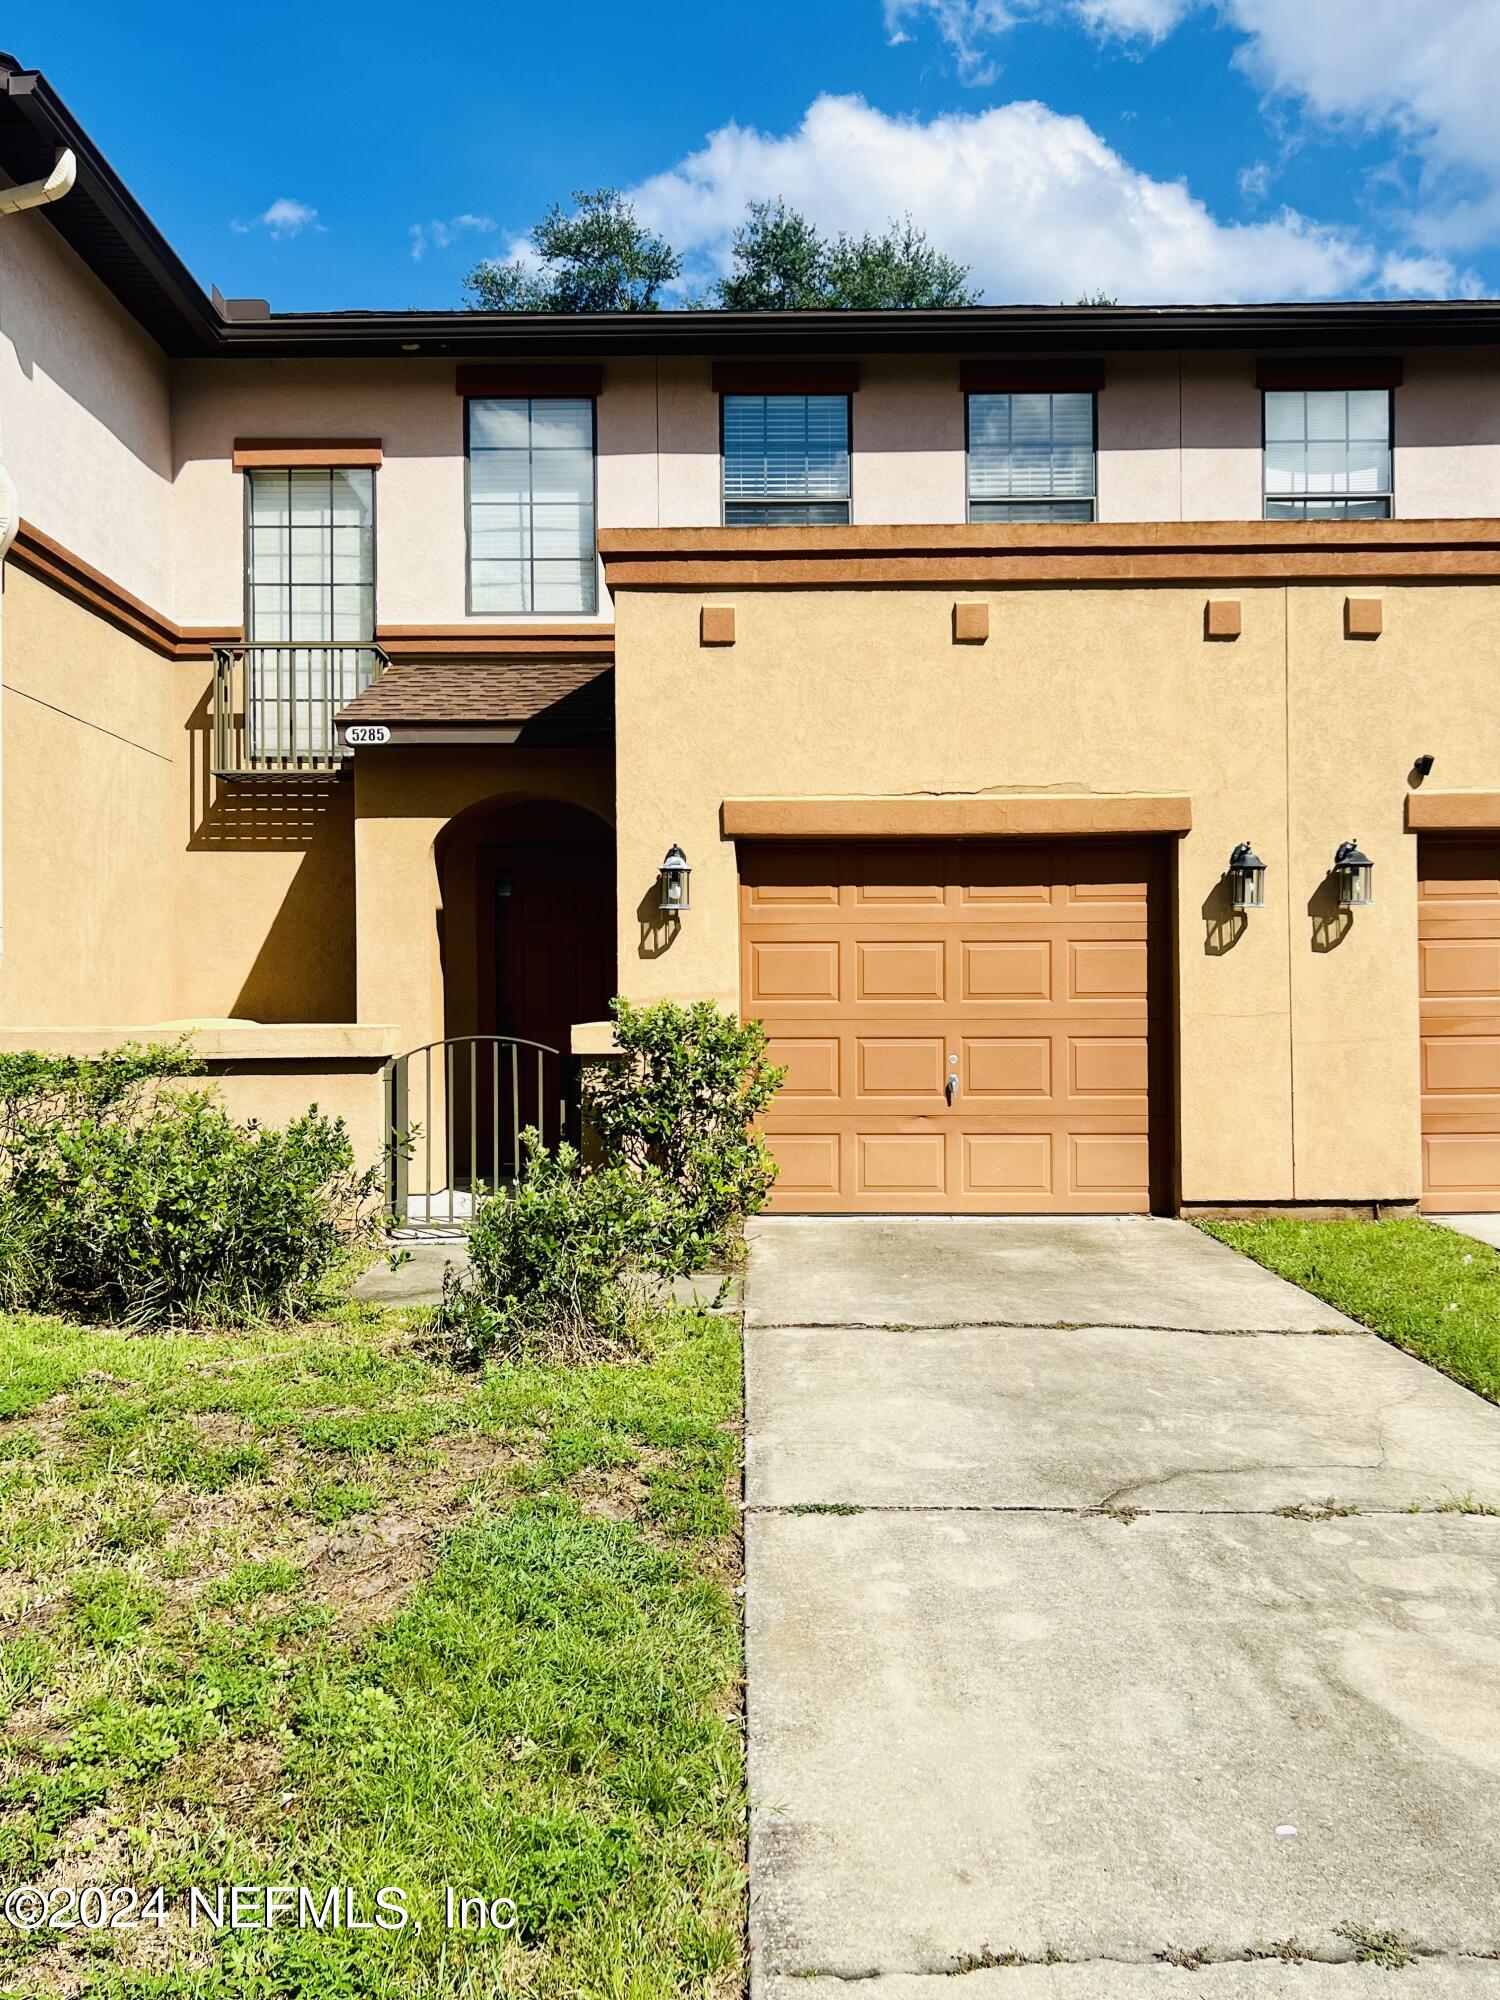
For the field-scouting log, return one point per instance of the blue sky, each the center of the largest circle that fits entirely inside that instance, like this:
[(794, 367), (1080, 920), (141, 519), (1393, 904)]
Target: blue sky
[(328, 156)]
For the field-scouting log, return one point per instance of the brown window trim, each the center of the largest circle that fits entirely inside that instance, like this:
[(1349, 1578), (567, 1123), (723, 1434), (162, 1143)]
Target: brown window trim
[(576, 379), (786, 378), (281, 454), (1329, 371), (1025, 378)]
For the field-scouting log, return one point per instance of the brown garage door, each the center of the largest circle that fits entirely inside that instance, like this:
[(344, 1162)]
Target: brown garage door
[(1458, 947), (1019, 970)]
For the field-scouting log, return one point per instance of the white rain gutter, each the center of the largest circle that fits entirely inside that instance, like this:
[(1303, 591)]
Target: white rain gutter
[(14, 201)]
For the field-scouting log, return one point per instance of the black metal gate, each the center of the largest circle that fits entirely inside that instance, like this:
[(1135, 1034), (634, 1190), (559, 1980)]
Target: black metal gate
[(455, 1112)]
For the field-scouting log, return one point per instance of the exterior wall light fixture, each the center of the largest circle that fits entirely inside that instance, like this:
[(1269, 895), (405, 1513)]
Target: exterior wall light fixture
[(1247, 879), (1352, 872), (672, 882)]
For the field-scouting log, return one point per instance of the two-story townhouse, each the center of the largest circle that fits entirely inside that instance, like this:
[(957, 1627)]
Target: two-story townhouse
[(362, 671)]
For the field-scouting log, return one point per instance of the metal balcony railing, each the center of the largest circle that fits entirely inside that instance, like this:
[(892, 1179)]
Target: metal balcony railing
[(274, 706)]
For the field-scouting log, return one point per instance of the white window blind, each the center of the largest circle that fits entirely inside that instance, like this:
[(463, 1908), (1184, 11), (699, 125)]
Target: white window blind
[(1328, 454), (531, 504), (786, 460), (1031, 456)]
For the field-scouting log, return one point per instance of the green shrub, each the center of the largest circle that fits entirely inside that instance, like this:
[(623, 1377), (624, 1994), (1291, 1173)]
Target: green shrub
[(555, 1261), (678, 1105), (121, 1200)]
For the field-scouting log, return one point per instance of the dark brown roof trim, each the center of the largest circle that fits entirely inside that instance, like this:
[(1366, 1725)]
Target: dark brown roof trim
[(1329, 371)]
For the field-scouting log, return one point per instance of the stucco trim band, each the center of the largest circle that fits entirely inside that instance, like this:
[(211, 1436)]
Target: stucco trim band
[(1094, 552), (954, 817), (275, 454), (1453, 812), (40, 556), (497, 642)]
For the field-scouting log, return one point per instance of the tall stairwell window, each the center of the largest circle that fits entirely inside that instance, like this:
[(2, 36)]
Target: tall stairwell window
[(531, 504), (310, 613)]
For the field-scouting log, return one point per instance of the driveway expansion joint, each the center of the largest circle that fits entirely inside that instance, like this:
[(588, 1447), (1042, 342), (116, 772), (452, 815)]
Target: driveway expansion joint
[(1056, 1326)]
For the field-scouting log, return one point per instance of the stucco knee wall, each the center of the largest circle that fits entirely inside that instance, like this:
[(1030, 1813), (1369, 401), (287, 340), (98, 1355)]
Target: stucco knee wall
[(1297, 1064)]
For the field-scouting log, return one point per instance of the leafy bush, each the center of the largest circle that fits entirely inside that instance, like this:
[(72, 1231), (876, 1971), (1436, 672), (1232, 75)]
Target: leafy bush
[(677, 1105), (555, 1262), (121, 1200)]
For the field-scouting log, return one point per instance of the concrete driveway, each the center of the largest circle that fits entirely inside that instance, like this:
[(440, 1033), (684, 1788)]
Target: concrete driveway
[(1112, 1606)]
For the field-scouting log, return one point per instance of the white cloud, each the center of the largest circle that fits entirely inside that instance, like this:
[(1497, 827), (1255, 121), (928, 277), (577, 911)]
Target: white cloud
[(1426, 74), (969, 27), (1037, 204), (1255, 182), (285, 217), (438, 235)]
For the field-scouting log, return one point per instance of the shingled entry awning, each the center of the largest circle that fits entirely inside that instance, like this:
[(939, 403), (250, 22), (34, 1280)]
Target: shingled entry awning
[(552, 704)]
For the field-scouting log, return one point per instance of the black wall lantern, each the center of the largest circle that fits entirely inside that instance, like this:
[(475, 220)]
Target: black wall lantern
[(672, 882), (1247, 879), (1352, 872)]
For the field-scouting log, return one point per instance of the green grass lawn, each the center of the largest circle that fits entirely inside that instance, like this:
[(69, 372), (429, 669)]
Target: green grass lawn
[(1427, 1289), (310, 1607)]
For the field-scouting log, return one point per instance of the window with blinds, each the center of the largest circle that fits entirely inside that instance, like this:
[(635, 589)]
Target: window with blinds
[(1031, 457), (786, 461), (1328, 454), (531, 504), (311, 555)]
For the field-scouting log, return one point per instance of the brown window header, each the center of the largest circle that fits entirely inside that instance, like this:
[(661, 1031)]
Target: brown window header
[(1329, 371), (1021, 378), (786, 378), (524, 378), (280, 453)]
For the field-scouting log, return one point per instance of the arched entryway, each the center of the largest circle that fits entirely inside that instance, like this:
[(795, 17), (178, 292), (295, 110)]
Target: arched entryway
[(527, 915)]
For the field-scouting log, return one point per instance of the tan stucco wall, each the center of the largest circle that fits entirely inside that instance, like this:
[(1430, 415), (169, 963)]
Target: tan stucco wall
[(1298, 1067), (403, 799), (263, 883), (85, 412), (88, 812)]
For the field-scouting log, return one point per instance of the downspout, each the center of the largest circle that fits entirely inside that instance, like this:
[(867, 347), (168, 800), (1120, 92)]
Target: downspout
[(14, 201)]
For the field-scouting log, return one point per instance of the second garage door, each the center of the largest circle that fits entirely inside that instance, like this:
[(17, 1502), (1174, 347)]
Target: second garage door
[(967, 1027), (1458, 945)]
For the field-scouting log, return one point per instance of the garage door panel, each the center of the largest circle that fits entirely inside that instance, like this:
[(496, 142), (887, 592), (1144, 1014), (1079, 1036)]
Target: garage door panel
[(1019, 969), (897, 1164), (813, 1066), (1016, 970), (900, 1065), (788, 971), (900, 969), (1006, 1066), (1458, 959), (1459, 967), (1107, 969)]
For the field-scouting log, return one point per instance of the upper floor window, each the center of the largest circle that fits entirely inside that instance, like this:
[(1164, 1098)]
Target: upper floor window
[(311, 555), (1031, 456), (1328, 454), (531, 504), (786, 461)]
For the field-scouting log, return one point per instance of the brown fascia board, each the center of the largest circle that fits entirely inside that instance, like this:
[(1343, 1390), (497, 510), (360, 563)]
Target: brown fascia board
[(111, 232)]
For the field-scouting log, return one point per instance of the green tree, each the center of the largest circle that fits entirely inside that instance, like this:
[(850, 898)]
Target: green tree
[(781, 263), (598, 259)]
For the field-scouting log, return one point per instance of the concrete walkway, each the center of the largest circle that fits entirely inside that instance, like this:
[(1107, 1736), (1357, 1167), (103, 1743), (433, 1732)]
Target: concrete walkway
[(1112, 1604)]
